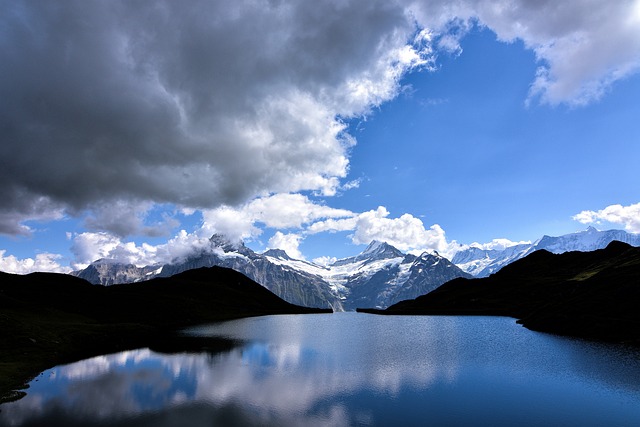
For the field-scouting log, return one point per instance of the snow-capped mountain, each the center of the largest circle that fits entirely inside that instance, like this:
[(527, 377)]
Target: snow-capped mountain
[(295, 286), (483, 262), (585, 241), (382, 275), (378, 277), (110, 272)]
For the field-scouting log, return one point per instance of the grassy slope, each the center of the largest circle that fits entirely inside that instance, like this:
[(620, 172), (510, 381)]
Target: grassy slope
[(587, 294), (49, 319)]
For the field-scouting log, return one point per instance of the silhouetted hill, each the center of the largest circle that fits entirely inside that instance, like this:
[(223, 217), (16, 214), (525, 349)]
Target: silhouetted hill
[(587, 294), (48, 319)]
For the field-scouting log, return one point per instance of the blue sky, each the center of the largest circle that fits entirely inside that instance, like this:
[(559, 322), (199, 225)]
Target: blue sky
[(462, 149), (427, 124)]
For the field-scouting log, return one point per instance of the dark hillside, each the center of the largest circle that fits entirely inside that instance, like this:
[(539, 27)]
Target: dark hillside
[(587, 294), (48, 319)]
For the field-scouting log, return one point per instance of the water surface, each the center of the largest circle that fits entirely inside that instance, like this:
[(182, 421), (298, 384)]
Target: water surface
[(348, 369)]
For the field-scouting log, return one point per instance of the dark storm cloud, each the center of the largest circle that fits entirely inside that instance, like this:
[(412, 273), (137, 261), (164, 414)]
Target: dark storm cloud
[(207, 103), (197, 103)]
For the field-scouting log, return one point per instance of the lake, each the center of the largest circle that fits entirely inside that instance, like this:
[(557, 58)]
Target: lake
[(347, 369)]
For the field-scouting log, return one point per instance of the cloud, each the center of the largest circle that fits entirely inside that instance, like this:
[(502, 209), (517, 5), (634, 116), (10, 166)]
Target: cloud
[(406, 233), (281, 211), (124, 218), (287, 242), (629, 216), (293, 212), (583, 46), (298, 212), (41, 262), (199, 106), (38, 209), (91, 246), (111, 109)]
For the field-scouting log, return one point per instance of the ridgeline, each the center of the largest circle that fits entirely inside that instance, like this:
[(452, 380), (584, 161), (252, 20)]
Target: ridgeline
[(592, 295), (47, 319)]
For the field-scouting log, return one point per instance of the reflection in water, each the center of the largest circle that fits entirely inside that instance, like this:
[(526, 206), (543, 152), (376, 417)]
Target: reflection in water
[(347, 369)]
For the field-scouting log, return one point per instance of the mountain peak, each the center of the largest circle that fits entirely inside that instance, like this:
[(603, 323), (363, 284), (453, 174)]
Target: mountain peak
[(378, 249), (373, 247), (223, 242), (277, 253), (591, 229)]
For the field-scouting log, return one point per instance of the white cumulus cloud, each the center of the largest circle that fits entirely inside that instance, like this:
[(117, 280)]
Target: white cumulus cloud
[(282, 211), (91, 246), (628, 216), (406, 233), (289, 243), (42, 262)]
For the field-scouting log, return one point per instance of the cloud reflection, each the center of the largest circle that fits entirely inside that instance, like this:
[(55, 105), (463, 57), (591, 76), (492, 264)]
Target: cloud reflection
[(288, 382), (332, 370)]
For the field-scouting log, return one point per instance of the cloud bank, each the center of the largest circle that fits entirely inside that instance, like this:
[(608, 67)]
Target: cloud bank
[(41, 262), (113, 109), (582, 46), (212, 104), (629, 216), (118, 103)]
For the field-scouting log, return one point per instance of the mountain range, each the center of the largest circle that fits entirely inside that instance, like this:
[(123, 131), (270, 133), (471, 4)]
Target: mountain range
[(378, 277), (49, 318), (592, 295), (481, 262)]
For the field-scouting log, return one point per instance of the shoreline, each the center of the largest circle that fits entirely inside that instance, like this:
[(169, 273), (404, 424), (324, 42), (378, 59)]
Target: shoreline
[(49, 319), (23, 358)]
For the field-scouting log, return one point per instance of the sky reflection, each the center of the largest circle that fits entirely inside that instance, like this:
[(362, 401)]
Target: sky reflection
[(345, 369)]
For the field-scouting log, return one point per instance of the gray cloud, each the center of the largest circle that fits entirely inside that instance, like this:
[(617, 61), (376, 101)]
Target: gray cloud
[(583, 46), (205, 103), (197, 104)]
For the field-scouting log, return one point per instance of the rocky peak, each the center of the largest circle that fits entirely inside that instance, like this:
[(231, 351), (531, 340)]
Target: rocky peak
[(277, 253), (380, 250), (224, 243)]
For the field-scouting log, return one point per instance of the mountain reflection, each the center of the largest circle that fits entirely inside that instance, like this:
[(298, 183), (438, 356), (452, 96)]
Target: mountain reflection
[(291, 381), (331, 370)]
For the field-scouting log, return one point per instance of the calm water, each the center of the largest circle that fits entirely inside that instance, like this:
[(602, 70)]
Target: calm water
[(348, 369)]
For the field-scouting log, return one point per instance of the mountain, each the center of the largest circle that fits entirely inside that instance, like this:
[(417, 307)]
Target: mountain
[(110, 272), (381, 275), (483, 262), (194, 296), (296, 287), (588, 294), (48, 319)]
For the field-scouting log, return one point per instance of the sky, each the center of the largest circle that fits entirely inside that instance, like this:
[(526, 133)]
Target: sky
[(134, 131)]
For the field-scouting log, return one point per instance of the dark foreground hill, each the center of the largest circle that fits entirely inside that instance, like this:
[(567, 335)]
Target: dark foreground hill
[(593, 295), (48, 319)]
